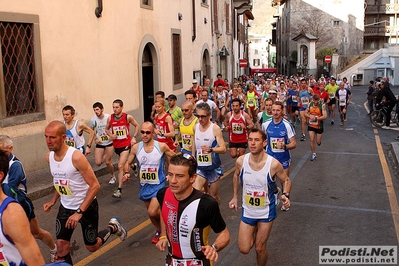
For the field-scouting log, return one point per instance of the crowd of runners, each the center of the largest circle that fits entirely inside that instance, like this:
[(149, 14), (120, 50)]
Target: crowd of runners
[(176, 156)]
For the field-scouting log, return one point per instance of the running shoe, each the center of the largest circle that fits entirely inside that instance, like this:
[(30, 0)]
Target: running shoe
[(385, 127), (112, 180), (397, 138), (332, 122), (342, 123), (277, 195), (303, 138), (53, 254), (314, 157), (120, 230), (155, 239), (284, 209), (298, 119), (117, 194)]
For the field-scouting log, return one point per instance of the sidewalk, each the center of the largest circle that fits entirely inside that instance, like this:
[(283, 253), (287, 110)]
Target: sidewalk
[(40, 183)]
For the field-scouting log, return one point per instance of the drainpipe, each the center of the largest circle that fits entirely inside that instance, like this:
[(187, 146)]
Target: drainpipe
[(194, 23), (99, 8)]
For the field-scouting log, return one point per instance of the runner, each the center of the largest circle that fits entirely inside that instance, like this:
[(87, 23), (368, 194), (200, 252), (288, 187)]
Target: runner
[(175, 112), (343, 96), (252, 103), (77, 186), (187, 216), (292, 104), (208, 144), (210, 103), (266, 114), (14, 185), (187, 124), (118, 128), (305, 96), (196, 88), (75, 130), (316, 113), (237, 123), (103, 140), (280, 137), (164, 125), (151, 156), (331, 88), (18, 247), (221, 98), (257, 173)]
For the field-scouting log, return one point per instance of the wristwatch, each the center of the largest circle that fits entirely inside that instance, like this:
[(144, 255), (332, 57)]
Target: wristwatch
[(88, 146), (287, 195), (79, 211), (215, 247)]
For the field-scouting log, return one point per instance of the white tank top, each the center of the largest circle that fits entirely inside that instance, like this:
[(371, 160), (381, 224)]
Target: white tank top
[(73, 139), (8, 251), (68, 181), (206, 138), (151, 165), (221, 98), (99, 126), (257, 199)]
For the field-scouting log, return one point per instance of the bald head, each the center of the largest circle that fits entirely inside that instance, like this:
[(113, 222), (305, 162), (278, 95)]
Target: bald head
[(57, 126), (148, 125)]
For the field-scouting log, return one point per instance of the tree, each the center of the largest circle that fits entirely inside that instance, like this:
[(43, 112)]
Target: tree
[(321, 54)]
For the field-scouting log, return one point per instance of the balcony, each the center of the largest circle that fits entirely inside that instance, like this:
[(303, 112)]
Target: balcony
[(379, 30), (382, 9)]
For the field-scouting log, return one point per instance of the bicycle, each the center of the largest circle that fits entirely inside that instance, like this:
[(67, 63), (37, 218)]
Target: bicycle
[(377, 117)]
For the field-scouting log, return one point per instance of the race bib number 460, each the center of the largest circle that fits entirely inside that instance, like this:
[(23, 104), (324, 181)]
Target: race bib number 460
[(149, 175)]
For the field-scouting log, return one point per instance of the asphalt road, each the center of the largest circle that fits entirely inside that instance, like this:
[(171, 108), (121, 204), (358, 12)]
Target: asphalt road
[(346, 197)]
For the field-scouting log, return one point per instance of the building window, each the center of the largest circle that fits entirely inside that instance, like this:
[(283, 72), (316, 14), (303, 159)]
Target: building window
[(21, 89), (256, 51), (256, 62), (177, 64), (336, 23), (148, 4), (204, 2), (215, 16), (227, 18)]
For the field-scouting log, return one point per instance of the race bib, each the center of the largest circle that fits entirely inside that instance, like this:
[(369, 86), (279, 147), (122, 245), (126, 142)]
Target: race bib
[(275, 143), (251, 102), (120, 132), (314, 122), (161, 131), (70, 141), (204, 158), (62, 187), (305, 101), (149, 175), (236, 128), (331, 94), (256, 198), (186, 262), (342, 102), (3, 259), (294, 98), (104, 138), (186, 141)]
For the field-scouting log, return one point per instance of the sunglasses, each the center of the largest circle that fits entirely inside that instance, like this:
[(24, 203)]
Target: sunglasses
[(145, 132), (185, 110), (202, 116), (189, 157)]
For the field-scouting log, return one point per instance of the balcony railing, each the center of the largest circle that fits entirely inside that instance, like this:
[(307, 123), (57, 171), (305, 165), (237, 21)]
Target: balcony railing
[(382, 9), (379, 30)]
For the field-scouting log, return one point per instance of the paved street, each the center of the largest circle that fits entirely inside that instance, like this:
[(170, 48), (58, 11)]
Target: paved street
[(340, 199)]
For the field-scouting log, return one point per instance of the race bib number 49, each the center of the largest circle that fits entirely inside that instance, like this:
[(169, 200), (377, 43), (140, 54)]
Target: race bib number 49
[(256, 198)]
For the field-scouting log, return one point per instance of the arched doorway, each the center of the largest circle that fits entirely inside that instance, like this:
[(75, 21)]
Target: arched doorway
[(206, 66), (148, 81)]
